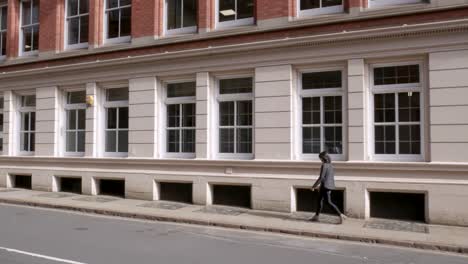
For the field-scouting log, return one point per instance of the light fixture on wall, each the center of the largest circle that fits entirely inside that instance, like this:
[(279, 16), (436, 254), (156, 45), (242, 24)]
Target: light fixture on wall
[(89, 100)]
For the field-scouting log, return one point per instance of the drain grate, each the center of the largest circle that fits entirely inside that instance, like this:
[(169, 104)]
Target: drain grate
[(397, 226), (222, 210), (164, 205), (55, 195), (96, 199)]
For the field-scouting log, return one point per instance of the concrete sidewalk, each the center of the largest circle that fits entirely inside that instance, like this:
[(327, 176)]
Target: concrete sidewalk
[(415, 235)]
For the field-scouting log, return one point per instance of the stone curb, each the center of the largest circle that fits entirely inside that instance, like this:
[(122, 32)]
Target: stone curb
[(352, 238)]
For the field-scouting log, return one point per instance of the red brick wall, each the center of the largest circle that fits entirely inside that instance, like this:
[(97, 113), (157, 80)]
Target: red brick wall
[(206, 15), (95, 22), (267, 9), (13, 28), (51, 22), (145, 18)]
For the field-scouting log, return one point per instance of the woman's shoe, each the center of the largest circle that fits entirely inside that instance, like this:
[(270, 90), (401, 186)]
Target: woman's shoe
[(342, 218), (314, 219)]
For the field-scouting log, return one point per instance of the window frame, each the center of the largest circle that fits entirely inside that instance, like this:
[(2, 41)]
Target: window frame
[(66, 31), (164, 128), (395, 89), (105, 23), (177, 31), (21, 27), (66, 108), (2, 99), (232, 23), (3, 4), (229, 98), (21, 110), (320, 10), (114, 104), (381, 3), (321, 93)]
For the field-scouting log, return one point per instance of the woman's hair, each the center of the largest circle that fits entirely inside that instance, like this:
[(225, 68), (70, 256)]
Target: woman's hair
[(325, 157)]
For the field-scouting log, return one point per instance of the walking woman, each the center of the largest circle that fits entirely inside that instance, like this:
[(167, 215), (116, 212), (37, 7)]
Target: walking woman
[(326, 183)]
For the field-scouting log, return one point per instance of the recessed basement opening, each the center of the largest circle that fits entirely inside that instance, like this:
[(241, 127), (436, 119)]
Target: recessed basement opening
[(232, 195), (175, 192), (398, 206), (112, 187), (69, 184), (306, 201), (21, 181)]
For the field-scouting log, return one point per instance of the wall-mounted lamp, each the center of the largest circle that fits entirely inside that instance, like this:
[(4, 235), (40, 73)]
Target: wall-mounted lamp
[(89, 100)]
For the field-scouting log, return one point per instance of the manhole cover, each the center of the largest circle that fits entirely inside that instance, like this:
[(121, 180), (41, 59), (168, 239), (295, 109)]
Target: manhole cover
[(397, 226), (222, 210), (55, 195), (7, 190), (96, 199), (81, 229), (164, 205)]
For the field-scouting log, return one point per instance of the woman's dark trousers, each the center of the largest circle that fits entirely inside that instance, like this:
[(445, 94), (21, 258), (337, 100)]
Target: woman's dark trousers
[(325, 194)]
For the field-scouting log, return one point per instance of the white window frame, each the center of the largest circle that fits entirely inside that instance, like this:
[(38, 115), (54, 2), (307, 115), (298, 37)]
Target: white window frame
[(3, 5), (21, 26), (116, 40), (233, 23), (66, 108), (229, 98), (177, 31), (163, 110), (395, 89), (114, 104), (320, 10), (67, 18), (378, 3), (22, 110), (322, 93)]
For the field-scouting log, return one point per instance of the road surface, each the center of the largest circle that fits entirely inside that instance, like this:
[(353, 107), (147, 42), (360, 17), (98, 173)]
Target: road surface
[(43, 236)]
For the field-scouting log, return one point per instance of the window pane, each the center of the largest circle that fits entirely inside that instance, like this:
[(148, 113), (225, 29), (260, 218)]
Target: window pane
[(245, 9), (71, 141), (244, 113), (174, 14), (188, 115), (81, 141), (1, 144), (72, 7), (332, 106), (71, 117), (327, 3), (81, 119), (33, 121), (112, 3), (173, 115), (310, 140), (84, 6), (3, 37), (24, 141), (35, 38), (113, 24), (111, 141), (4, 16), (123, 117), (396, 75), (226, 113), (76, 97), (188, 140), (385, 140), (309, 4), (120, 94), (73, 30), (227, 10), (126, 22), (233, 86), (333, 140), (1, 125), (26, 14), (35, 11), (173, 142), (311, 110), (123, 141), (321, 80), (32, 141), (384, 108), (190, 13), (27, 39), (244, 140), (408, 107), (84, 28), (28, 101), (226, 142), (25, 122), (111, 118), (181, 89), (125, 2), (2, 102), (410, 139)]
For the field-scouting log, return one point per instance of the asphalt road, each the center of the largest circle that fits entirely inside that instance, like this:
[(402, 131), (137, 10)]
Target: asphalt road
[(38, 236)]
